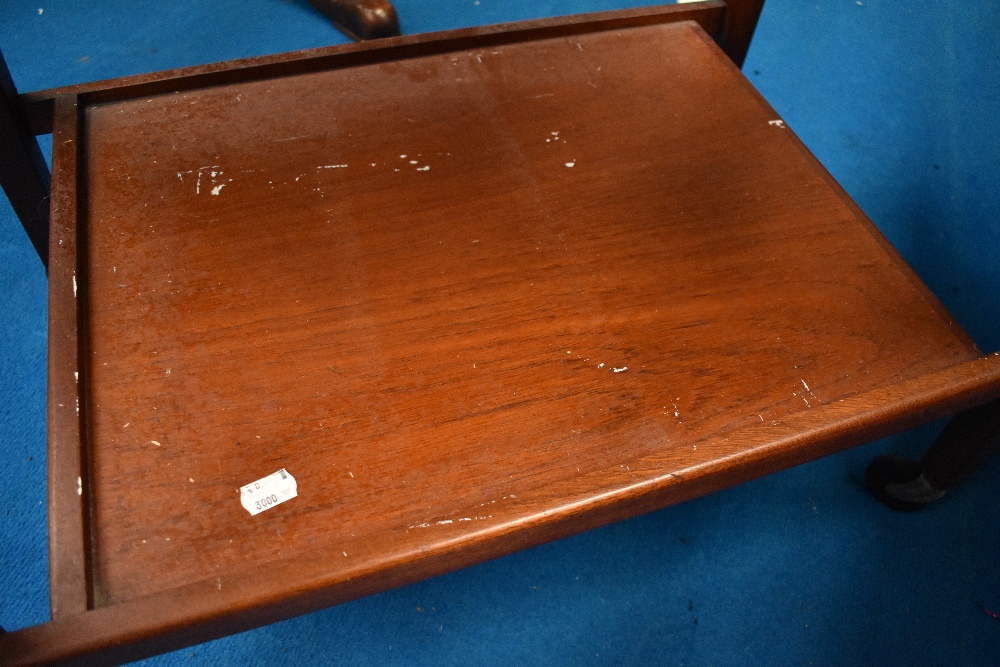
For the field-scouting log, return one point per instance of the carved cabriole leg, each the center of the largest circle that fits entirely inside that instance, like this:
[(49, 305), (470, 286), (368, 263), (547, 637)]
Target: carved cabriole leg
[(361, 19), (963, 447)]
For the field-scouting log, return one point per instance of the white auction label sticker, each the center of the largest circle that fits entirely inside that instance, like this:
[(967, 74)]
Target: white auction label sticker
[(268, 491)]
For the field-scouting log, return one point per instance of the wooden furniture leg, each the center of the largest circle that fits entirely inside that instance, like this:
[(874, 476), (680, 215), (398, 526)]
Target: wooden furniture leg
[(24, 175), (741, 21), (361, 19), (628, 313), (962, 448)]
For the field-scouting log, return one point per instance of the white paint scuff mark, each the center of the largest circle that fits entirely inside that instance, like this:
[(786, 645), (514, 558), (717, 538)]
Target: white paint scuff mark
[(79, 486), (445, 522), (212, 170), (333, 166), (217, 189), (620, 370), (427, 168), (570, 165), (600, 365), (776, 123), (811, 394), (155, 443), (74, 284)]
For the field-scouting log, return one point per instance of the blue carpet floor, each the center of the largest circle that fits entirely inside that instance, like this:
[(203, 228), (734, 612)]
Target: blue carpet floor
[(901, 102)]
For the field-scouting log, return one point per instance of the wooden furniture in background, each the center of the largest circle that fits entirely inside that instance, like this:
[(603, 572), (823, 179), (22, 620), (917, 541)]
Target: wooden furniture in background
[(361, 19), (475, 291), (24, 176)]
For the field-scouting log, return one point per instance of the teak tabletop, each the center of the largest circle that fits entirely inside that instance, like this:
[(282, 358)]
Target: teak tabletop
[(471, 298)]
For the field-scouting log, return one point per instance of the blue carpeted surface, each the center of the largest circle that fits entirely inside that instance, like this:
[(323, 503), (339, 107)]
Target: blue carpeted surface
[(901, 102)]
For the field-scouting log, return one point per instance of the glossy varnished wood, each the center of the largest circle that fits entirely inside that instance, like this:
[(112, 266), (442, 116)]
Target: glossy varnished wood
[(473, 300), (68, 550), (361, 19), (711, 15), (251, 597), (512, 296)]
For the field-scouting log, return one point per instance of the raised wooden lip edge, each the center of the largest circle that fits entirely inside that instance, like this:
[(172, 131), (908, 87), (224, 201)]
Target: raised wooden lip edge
[(67, 461), (206, 610), (38, 105), (251, 617), (70, 552), (860, 215)]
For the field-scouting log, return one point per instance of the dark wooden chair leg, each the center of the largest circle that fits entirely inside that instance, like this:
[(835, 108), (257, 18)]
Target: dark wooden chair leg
[(361, 19), (962, 448), (24, 175)]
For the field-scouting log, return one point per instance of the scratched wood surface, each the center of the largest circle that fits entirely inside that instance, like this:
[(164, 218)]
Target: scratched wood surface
[(451, 292), (474, 300)]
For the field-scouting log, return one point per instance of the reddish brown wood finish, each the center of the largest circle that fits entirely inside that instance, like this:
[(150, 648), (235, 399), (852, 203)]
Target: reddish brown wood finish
[(68, 571), (425, 336), (253, 596), (37, 106), (474, 300)]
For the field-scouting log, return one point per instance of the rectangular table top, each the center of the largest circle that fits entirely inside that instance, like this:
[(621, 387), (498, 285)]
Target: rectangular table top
[(471, 300)]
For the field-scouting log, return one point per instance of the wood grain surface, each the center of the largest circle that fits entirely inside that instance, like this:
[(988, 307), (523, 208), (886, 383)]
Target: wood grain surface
[(473, 300), (68, 550), (732, 26), (426, 288)]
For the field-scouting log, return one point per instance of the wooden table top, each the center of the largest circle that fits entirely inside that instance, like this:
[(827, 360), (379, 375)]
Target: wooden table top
[(472, 300)]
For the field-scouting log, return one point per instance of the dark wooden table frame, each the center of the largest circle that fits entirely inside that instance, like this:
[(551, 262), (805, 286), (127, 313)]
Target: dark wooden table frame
[(907, 380)]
